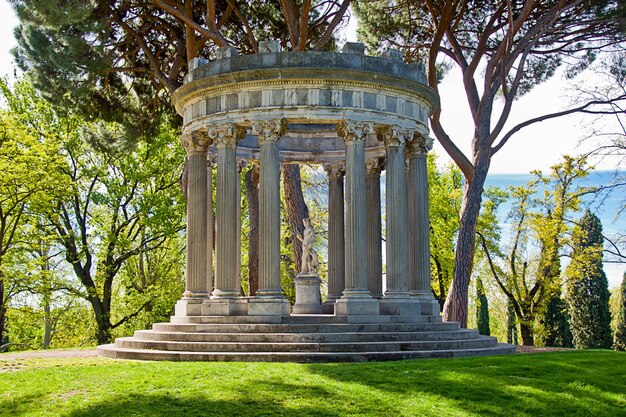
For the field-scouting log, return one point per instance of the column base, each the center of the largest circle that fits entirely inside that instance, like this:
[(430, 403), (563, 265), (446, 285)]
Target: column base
[(259, 306), (225, 307), (308, 296), (400, 306), (189, 307), (430, 305), (361, 306), (328, 306)]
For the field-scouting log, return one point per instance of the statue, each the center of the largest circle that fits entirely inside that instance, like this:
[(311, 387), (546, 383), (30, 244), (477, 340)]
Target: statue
[(310, 261)]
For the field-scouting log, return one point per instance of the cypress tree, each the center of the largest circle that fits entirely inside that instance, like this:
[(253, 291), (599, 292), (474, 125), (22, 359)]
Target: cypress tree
[(619, 341), (554, 327), (511, 325), (482, 309), (587, 287)]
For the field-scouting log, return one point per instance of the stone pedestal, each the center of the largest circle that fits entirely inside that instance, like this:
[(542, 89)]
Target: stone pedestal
[(308, 296), (188, 307)]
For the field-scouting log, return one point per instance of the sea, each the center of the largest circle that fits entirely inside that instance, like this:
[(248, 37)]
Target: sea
[(609, 207)]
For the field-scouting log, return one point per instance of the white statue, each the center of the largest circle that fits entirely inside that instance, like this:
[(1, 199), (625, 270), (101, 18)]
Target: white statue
[(310, 261)]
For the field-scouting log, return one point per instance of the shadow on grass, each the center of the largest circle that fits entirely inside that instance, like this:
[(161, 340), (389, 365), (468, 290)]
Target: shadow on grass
[(568, 384), (171, 406)]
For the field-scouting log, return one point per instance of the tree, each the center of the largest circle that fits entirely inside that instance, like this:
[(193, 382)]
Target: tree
[(526, 281), (482, 309), (619, 339), (86, 59), (28, 165), (445, 190), (553, 328), (503, 49), (587, 287), (115, 205)]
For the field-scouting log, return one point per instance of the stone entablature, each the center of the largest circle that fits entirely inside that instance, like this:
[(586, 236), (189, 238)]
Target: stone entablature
[(312, 91)]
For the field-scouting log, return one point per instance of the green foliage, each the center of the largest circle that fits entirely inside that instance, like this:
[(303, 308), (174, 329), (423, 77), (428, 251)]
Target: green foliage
[(619, 338), (540, 220), (587, 286), (482, 310), (114, 219), (553, 328), (29, 179)]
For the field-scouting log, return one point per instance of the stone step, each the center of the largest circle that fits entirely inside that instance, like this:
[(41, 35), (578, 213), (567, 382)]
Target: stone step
[(111, 351), (303, 328), (132, 343), (304, 337), (303, 319)]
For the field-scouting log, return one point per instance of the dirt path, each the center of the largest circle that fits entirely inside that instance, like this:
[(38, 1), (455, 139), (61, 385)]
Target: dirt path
[(44, 354)]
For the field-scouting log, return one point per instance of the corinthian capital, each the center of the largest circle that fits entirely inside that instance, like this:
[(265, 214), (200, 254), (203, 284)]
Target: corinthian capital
[(374, 166), (393, 135), (350, 130), (195, 141), (226, 134), (269, 130), (421, 144), (335, 169)]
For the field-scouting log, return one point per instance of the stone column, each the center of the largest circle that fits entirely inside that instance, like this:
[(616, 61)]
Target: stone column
[(396, 299), (225, 298), (196, 278), (419, 241), (241, 164), (336, 235), (356, 299), (373, 168), (211, 162), (269, 298)]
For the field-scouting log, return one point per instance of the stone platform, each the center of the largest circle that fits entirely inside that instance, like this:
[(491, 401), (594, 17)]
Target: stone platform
[(303, 338)]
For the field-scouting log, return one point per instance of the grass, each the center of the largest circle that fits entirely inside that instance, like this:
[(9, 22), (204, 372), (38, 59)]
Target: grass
[(579, 383)]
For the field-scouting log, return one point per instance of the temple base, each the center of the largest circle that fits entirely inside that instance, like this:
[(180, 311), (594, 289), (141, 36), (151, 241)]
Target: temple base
[(189, 307), (225, 307), (268, 307), (405, 306)]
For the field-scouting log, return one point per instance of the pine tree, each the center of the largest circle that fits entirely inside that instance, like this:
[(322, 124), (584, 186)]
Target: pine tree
[(553, 323), (619, 341), (587, 287), (482, 309)]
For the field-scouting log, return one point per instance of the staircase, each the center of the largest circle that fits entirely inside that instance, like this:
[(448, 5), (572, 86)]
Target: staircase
[(303, 338)]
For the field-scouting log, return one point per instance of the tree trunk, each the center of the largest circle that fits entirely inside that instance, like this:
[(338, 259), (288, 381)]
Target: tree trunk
[(297, 209), (527, 334), (47, 332), (252, 195), (511, 333), (102, 316), (455, 308), (3, 310)]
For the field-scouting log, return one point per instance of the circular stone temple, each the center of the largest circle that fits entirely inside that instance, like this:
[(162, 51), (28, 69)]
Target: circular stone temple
[(356, 115)]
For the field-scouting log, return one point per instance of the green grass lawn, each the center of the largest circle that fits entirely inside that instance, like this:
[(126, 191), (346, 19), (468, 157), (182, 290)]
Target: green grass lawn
[(578, 383)]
